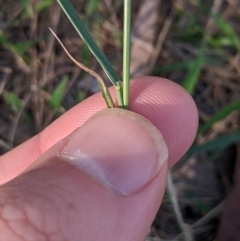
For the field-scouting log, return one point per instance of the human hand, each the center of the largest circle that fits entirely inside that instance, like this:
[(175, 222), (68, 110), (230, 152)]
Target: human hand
[(117, 195)]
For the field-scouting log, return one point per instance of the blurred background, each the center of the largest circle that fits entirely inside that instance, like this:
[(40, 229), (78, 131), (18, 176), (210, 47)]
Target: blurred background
[(194, 43)]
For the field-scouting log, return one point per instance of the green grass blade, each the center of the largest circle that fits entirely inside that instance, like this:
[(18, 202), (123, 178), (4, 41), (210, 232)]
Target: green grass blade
[(87, 38), (192, 76), (221, 42), (227, 29), (185, 65), (172, 67), (26, 8), (126, 52), (58, 93), (219, 143), (14, 101), (219, 116), (43, 5), (80, 96), (19, 48), (222, 24), (91, 7)]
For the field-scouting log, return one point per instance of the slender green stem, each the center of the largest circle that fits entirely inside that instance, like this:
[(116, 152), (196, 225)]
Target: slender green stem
[(126, 52), (119, 95), (87, 38)]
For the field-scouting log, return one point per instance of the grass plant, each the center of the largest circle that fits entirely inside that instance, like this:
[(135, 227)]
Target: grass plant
[(122, 90), (220, 115), (217, 144), (14, 101), (57, 95), (91, 7)]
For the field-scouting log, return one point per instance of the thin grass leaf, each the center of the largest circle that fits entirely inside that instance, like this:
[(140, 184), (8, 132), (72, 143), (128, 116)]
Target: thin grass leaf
[(26, 8), (87, 38), (172, 67), (6, 43), (223, 113), (22, 47), (14, 101), (215, 155), (221, 42), (192, 76), (43, 5), (118, 37), (25, 4), (18, 48), (226, 29), (222, 24), (220, 143), (58, 94), (92, 6), (126, 52), (105, 93), (80, 96), (193, 32), (184, 65)]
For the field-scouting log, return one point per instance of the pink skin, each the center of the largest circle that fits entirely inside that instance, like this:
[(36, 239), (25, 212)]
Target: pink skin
[(80, 208)]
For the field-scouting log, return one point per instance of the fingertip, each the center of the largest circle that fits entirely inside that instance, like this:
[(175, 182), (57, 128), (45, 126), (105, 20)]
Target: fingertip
[(164, 103), (170, 108)]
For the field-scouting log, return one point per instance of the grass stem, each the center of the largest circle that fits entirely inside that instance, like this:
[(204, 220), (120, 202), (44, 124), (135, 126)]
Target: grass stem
[(126, 52)]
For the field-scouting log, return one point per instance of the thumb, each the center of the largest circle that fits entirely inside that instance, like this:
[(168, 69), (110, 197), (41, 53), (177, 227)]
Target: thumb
[(105, 181)]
